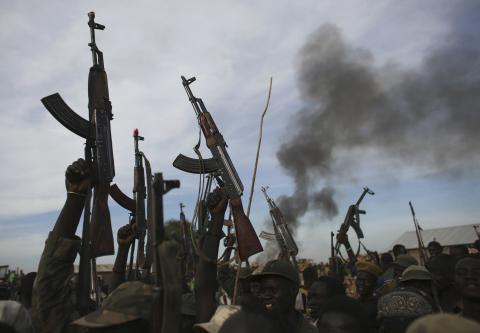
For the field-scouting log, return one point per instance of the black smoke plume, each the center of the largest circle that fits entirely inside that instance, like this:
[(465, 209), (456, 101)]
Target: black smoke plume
[(427, 116)]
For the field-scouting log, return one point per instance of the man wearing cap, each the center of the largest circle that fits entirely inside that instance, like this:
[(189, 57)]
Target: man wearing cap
[(366, 282), (278, 285), (417, 277)]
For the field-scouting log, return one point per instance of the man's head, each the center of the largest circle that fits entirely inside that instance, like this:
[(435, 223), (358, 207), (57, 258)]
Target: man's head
[(127, 308), (399, 308), (467, 277), (321, 291), (277, 286), (367, 276), (342, 314), (399, 249), (434, 248), (386, 260), (248, 321)]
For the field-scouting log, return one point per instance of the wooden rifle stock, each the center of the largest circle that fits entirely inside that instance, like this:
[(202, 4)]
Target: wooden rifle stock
[(247, 239)]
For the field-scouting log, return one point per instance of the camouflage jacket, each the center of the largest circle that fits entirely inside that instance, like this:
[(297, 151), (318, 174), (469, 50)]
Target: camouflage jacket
[(53, 299)]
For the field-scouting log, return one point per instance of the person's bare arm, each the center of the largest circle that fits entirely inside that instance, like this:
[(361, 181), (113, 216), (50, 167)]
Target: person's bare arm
[(77, 183), (206, 277), (125, 237)]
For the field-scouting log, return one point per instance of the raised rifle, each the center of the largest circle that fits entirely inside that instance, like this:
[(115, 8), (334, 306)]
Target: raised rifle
[(286, 243), (418, 231), (352, 220), (139, 195), (167, 297), (97, 237), (222, 166)]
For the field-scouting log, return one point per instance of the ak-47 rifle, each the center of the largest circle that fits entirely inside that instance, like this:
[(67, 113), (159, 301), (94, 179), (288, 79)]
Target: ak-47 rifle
[(167, 287), (221, 165), (136, 206), (139, 195), (97, 237), (286, 243), (418, 232), (352, 220)]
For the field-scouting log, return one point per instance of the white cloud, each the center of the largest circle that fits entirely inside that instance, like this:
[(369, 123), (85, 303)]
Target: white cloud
[(232, 47)]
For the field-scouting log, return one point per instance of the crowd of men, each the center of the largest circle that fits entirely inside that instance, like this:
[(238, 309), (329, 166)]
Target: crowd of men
[(391, 293)]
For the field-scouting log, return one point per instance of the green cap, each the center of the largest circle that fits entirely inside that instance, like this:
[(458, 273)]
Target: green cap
[(365, 266), (416, 272), (405, 260), (279, 268), (130, 301)]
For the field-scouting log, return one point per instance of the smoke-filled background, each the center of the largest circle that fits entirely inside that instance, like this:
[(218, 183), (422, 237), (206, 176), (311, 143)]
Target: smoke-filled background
[(383, 96), (427, 116)]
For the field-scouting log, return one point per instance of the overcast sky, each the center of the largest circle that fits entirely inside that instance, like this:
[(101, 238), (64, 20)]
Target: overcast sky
[(232, 47)]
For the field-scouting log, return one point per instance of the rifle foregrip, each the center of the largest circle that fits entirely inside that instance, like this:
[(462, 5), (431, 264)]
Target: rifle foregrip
[(248, 242), (193, 165)]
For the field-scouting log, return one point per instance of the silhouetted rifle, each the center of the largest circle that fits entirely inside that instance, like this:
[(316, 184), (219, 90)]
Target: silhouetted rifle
[(418, 232), (139, 195), (97, 237), (283, 236), (188, 264), (129, 204), (167, 287), (352, 220), (136, 206), (222, 167)]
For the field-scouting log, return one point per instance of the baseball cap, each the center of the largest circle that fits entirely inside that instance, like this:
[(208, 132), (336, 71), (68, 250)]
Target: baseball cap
[(416, 272), (369, 267), (405, 260), (279, 268), (130, 301)]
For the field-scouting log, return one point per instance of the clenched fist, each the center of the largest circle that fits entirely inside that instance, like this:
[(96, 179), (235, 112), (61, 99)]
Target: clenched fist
[(77, 177)]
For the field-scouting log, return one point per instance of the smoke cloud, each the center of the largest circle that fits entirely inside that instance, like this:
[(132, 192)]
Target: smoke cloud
[(426, 116)]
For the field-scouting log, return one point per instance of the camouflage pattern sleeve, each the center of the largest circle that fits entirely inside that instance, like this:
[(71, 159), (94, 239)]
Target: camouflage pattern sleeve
[(53, 294)]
